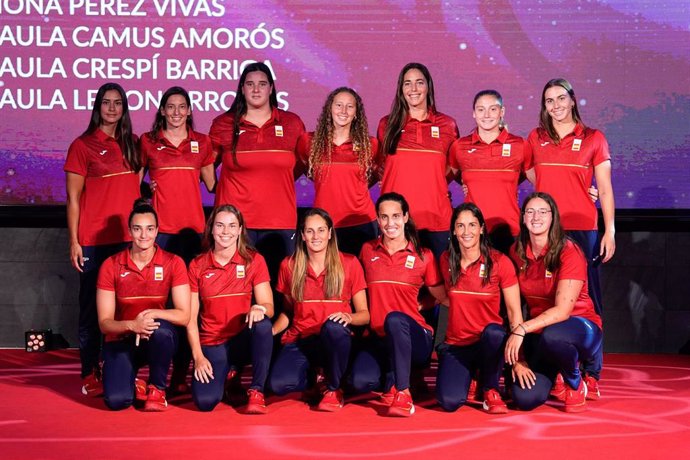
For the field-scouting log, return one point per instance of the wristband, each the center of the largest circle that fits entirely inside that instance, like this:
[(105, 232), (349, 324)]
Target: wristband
[(260, 307), (515, 333), (523, 328)]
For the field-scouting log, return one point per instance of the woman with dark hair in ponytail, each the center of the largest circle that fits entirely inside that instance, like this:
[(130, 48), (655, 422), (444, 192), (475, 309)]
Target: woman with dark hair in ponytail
[(324, 295), (176, 157), (256, 144), (133, 287), (490, 161), (103, 175), (396, 268), (476, 276)]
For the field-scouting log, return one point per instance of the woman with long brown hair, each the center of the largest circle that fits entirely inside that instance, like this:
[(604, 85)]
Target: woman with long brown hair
[(324, 292), (341, 159)]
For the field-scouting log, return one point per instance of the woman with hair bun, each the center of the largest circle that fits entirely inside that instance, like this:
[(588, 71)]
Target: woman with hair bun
[(133, 287)]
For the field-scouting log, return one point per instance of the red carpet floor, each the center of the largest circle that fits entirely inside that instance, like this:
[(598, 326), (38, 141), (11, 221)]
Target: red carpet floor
[(644, 414)]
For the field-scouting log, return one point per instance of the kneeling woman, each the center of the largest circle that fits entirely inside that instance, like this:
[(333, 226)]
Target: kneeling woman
[(396, 268), (226, 330), (563, 327), (476, 275), (133, 287), (318, 283)]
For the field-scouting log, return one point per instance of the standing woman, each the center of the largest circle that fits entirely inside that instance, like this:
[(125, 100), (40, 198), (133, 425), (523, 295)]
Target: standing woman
[(476, 276), (256, 144), (319, 284), (562, 156), (490, 160), (102, 174), (415, 139), (176, 157), (341, 160), (227, 329), (564, 327), (396, 268), (133, 287)]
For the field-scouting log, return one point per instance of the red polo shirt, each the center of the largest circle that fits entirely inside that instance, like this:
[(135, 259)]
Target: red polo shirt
[(491, 173), (262, 185), (225, 293), (394, 281), (310, 314), (341, 186), (110, 188), (418, 169), (565, 172), (474, 305), (138, 290), (176, 170), (538, 285)]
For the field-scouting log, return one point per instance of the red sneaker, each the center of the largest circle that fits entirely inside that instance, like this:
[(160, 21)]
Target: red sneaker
[(332, 401), (575, 400), (472, 392), (592, 388), (493, 404), (91, 385), (257, 403), (558, 389), (388, 397), (402, 405), (140, 390), (155, 400)]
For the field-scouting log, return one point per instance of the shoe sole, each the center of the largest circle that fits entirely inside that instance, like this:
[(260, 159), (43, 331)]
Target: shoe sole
[(328, 408), (495, 409), (256, 410), (156, 408), (396, 412)]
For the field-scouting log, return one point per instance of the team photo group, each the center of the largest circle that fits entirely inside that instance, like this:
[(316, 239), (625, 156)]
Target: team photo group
[(342, 298)]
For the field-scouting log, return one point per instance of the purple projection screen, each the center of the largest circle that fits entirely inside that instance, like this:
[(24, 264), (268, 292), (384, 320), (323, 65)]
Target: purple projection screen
[(628, 60)]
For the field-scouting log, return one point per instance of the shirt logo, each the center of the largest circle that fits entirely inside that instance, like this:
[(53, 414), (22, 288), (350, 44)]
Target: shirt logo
[(577, 144), (194, 146), (544, 144), (548, 274), (208, 275), (435, 132), (103, 152), (240, 271), (161, 147), (241, 131), (122, 275), (279, 131), (158, 273), (374, 259), (506, 150), (409, 263), (471, 150), (482, 271)]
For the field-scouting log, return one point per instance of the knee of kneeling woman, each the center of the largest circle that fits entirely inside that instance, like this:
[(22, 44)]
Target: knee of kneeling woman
[(527, 399), (450, 404), (262, 327), (394, 320), (205, 403), (333, 328), (118, 401), (165, 332), (493, 332)]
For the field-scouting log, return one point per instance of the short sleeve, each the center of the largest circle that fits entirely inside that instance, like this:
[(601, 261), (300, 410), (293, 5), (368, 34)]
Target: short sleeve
[(506, 272), (355, 273), (601, 149), (453, 154), (304, 147), (284, 277), (259, 270), (432, 274), (194, 274), (529, 150), (106, 275), (444, 267), (179, 271), (573, 263), (209, 155), (77, 161)]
